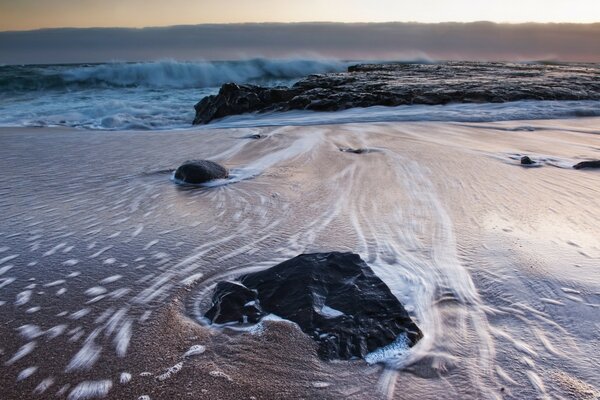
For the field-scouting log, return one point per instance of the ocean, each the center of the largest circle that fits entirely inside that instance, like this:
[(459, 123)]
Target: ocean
[(161, 95), (139, 96)]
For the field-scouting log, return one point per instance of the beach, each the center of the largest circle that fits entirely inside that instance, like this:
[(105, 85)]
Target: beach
[(106, 265)]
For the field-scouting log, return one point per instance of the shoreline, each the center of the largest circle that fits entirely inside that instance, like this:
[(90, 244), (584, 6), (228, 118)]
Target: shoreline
[(497, 262)]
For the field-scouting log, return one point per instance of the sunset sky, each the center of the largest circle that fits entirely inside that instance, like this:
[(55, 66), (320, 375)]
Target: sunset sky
[(34, 14)]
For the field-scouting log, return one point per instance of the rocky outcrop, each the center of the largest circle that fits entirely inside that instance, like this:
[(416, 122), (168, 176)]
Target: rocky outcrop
[(399, 84), (238, 99), (200, 171), (587, 164), (334, 297)]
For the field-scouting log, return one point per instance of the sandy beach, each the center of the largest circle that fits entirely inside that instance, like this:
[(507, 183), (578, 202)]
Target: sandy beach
[(106, 266)]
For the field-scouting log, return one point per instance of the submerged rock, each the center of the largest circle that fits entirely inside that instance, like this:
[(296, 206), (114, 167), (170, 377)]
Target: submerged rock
[(403, 84), (525, 160), (587, 164), (334, 297), (356, 151), (200, 171)]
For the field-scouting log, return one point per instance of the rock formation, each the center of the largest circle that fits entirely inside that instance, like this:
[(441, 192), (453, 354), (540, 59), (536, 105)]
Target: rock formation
[(335, 298), (400, 84)]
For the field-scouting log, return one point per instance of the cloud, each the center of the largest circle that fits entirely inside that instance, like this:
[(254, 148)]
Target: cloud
[(378, 41)]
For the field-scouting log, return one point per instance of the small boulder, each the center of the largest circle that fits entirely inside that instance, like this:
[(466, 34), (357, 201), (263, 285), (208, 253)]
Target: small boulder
[(335, 298), (200, 171), (587, 164), (525, 160)]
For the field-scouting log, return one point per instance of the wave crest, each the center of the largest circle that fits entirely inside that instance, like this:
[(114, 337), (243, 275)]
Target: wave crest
[(165, 74)]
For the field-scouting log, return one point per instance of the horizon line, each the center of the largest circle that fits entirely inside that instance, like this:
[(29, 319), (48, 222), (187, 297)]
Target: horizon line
[(303, 23)]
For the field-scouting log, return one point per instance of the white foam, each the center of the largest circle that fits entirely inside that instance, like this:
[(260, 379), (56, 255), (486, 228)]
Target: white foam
[(125, 378), (195, 350), (394, 351), (111, 279), (87, 356), (138, 230), (118, 293), (55, 283), (56, 331), (8, 258), (109, 261), (80, 314), (192, 278), (150, 244), (30, 331), (457, 112), (43, 385), (6, 268), (90, 390), (220, 374), (95, 299), (23, 297), (170, 372), (26, 373), (123, 337), (6, 282), (102, 250), (54, 249), (95, 291), (22, 352)]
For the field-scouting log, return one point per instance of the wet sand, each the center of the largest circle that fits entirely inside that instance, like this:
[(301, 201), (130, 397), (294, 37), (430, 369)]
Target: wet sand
[(106, 265)]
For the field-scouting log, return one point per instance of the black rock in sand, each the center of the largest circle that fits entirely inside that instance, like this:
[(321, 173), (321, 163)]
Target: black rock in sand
[(587, 164), (200, 171), (334, 297), (525, 160)]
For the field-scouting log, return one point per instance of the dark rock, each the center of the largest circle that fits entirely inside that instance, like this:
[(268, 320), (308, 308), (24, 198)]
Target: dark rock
[(356, 151), (234, 302), (235, 99), (200, 171), (368, 85), (335, 298), (587, 164), (525, 160)]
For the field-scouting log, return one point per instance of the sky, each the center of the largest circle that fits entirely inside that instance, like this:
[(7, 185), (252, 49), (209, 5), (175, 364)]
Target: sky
[(482, 41), (35, 14)]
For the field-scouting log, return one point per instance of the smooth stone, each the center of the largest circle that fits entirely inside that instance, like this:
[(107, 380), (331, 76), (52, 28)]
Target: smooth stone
[(335, 298), (200, 171), (525, 160)]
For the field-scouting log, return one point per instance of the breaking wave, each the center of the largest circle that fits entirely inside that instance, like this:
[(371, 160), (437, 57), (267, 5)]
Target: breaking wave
[(160, 74)]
